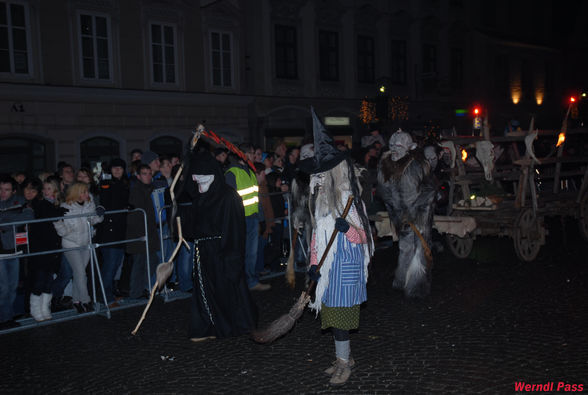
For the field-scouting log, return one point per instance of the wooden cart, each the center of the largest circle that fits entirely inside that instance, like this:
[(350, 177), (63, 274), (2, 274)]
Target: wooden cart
[(532, 188)]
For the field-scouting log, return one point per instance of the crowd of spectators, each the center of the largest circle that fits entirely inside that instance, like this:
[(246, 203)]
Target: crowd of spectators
[(42, 280)]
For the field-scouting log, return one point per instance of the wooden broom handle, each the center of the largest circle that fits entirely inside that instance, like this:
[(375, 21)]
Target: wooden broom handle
[(335, 231)]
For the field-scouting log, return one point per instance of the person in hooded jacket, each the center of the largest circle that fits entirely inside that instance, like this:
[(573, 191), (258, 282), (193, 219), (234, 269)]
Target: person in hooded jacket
[(221, 302), (114, 195)]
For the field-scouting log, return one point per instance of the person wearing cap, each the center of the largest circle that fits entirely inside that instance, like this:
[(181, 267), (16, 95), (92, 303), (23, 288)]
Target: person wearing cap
[(341, 280), (114, 195), (407, 187)]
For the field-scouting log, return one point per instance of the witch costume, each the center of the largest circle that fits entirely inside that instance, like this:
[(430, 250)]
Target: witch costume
[(221, 303), (341, 281)]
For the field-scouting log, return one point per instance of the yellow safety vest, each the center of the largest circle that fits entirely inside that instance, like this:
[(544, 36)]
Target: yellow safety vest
[(247, 188)]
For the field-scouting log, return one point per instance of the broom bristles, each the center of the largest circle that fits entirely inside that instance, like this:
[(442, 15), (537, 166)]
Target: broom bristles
[(283, 324)]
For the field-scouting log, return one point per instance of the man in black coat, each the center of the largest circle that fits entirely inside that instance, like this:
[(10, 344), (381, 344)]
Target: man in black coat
[(221, 303), (140, 197)]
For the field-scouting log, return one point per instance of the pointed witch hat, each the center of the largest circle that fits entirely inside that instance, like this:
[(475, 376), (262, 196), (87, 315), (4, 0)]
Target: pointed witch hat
[(326, 155)]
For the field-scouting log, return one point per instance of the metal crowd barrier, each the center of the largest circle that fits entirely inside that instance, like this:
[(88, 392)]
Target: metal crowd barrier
[(94, 267)]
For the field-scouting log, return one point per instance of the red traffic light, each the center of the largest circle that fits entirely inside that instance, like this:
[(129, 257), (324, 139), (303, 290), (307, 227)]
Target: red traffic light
[(476, 111), (572, 99)]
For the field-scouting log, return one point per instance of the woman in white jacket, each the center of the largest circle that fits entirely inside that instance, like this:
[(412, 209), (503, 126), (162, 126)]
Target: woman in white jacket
[(74, 232)]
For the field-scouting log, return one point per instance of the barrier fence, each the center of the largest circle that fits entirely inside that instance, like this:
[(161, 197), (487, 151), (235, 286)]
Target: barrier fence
[(23, 242)]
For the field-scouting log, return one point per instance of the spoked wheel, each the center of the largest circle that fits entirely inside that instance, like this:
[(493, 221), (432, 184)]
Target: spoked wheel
[(461, 247), (583, 218), (529, 235)]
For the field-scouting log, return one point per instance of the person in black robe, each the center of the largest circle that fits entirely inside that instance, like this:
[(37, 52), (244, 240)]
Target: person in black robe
[(221, 303)]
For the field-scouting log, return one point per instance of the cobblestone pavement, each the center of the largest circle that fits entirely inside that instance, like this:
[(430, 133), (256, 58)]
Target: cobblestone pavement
[(490, 321)]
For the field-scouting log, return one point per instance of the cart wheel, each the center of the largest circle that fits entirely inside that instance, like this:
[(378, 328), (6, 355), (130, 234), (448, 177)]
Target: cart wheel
[(529, 235), (583, 219), (461, 247)]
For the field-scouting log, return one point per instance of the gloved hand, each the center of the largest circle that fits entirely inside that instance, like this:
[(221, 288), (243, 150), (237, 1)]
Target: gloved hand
[(313, 274), (341, 225), (100, 211)]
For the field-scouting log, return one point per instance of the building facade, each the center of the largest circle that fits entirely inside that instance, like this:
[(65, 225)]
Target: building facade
[(84, 81)]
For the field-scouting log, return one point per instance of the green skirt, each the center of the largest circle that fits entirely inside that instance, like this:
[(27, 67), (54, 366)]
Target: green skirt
[(345, 318)]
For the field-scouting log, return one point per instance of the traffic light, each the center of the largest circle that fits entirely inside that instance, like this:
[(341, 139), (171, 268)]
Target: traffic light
[(572, 99), (476, 111)]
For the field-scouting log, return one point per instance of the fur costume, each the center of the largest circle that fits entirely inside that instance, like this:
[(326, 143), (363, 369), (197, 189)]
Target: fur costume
[(407, 187)]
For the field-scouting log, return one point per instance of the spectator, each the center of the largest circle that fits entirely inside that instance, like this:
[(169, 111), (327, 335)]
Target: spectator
[(140, 197), (85, 175), (74, 233), (175, 160), (136, 154), (66, 172), (373, 138), (268, 161), (241, 178), (11, 210), (221, 155), (31, 189), (44, 237), (114, 195), (257, 155), (165, 168), (275, 187), (280, 150), (291, 166), (266, 216)]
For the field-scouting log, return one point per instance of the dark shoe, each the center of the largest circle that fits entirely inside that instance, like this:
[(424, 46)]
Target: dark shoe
[(88, 307), (79, 307)]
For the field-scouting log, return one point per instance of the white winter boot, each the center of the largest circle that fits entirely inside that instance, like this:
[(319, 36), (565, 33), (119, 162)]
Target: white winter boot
[(46, 306), (36, 307)]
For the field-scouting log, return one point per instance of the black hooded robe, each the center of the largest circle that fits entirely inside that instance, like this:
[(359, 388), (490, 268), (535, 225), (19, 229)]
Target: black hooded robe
[(221, 302)]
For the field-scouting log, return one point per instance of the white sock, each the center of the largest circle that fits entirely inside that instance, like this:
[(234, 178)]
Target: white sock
[(342, 349)]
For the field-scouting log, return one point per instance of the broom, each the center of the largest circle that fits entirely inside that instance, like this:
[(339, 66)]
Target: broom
[(283, 324), (290, 277)]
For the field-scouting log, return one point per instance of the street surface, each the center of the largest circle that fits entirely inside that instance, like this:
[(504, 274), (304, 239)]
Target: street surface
[(490, 322)]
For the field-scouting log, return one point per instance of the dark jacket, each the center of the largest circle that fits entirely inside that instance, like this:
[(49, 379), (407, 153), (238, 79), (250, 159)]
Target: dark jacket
[(140, 197), (114, 195), (42, 235)]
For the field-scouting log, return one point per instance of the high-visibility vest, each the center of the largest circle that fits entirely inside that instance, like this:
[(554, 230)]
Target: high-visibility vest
[(247, 188)]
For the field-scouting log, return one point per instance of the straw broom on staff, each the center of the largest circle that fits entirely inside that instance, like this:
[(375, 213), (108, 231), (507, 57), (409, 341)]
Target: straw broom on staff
[(283, 324)]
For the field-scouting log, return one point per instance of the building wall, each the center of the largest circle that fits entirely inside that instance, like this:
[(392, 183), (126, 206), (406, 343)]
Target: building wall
[(504, 48)]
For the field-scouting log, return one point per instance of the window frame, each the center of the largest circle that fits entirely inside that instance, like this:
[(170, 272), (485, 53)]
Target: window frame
[(222, 68), (27, 28), (94, 14), (162, 44), (284, 46), (365, 63), (326, 54)]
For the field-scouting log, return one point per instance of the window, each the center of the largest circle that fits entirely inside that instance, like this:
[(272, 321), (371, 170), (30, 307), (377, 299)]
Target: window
[(398, 62), (456, 68), (97, 150), (365, 59), (14, 36), (22, 154), (166, 145), (329, 56), (286, 55), (95, 47), (221, 48), (163, 53), (429, 58)]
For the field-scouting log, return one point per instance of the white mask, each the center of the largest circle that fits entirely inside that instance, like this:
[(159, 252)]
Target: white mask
[(316, 180), (431, 156), (204, 181), (400, 143)]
